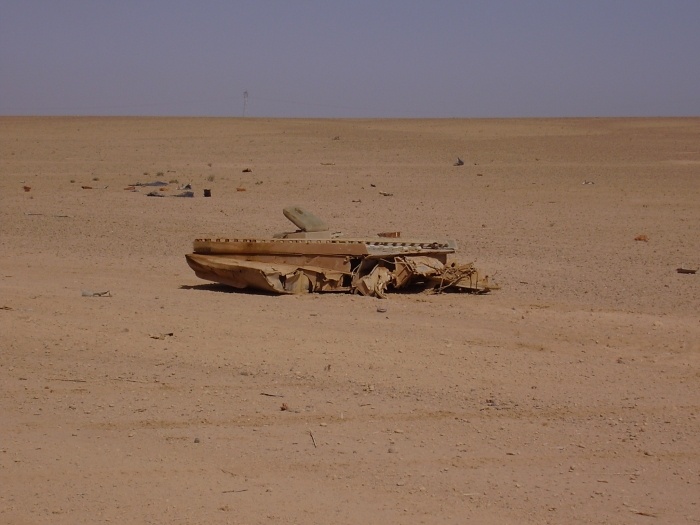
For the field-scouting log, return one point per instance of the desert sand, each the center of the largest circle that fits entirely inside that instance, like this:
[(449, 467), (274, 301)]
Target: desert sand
[(568, 396)]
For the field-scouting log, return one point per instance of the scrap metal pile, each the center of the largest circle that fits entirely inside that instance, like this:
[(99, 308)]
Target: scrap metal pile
[(311, 259)]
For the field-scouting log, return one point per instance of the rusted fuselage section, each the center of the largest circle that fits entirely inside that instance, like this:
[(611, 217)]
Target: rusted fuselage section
[(303, 262)]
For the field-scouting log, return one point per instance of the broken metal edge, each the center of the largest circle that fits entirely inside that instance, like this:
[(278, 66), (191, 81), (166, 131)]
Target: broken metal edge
[(370, 277), (270, 277)]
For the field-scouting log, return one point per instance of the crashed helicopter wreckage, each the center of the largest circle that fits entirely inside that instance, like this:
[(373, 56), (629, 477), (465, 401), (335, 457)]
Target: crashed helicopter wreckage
[(312, 259)]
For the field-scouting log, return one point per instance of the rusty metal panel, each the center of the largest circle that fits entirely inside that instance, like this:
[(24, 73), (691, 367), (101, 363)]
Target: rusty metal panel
[(271, 277), (332, 262), (279, 247)]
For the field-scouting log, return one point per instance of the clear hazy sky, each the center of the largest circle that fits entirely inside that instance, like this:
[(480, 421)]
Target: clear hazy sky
[(351, 59)]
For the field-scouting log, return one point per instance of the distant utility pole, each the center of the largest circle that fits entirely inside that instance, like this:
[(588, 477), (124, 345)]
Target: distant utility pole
[(245, 102)]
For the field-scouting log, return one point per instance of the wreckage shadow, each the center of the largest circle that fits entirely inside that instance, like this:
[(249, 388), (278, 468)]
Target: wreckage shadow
[(222, 288), (409, 290)]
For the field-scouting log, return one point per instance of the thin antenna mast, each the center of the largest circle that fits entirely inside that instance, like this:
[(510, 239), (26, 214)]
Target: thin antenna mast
[(245, 102)]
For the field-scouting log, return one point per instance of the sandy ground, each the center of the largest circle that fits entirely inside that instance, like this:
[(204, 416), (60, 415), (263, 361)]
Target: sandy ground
[(569, 396)]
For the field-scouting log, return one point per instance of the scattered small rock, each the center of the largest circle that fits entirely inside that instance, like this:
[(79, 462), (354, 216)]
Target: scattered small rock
[(196, 440), (88, 293), (161, 336)]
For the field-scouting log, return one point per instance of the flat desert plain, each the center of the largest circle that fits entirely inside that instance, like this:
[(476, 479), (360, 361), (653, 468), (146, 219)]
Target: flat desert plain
[(571, 395)]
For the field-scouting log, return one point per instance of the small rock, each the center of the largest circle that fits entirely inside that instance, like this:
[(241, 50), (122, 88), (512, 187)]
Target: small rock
[(392, 450), (381, 310), (196, 440)]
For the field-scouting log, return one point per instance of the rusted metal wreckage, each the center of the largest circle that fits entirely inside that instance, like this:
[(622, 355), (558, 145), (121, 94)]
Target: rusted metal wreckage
[(312, 259)]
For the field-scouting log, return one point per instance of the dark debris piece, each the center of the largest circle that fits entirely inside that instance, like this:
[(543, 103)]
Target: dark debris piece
[(155, 184)]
